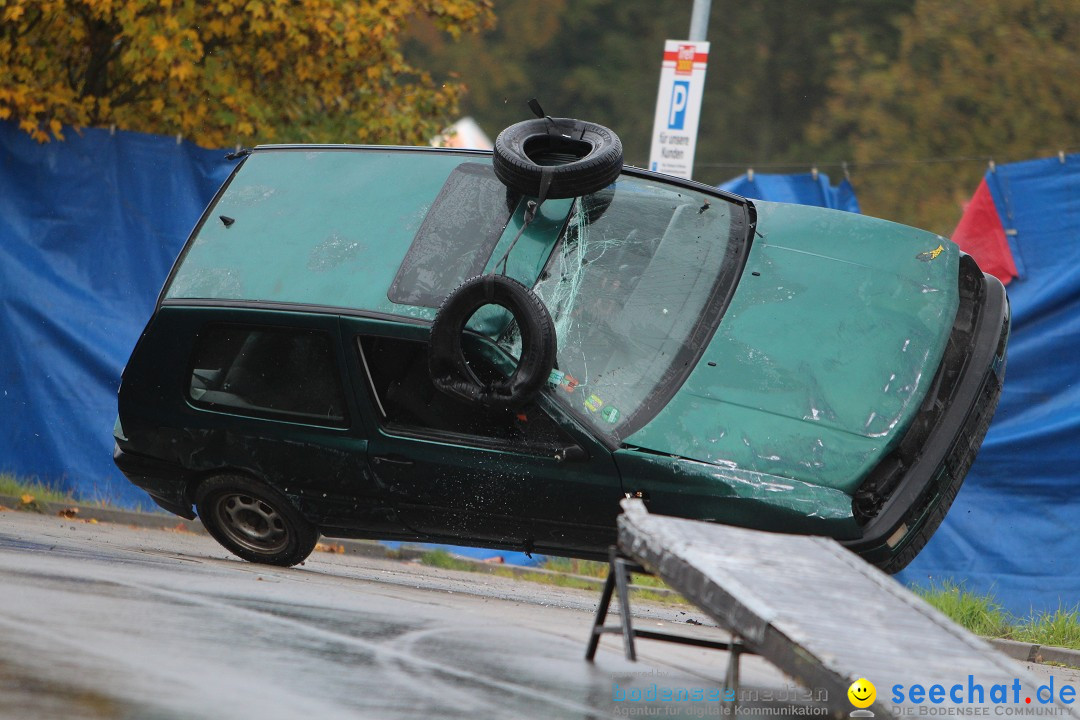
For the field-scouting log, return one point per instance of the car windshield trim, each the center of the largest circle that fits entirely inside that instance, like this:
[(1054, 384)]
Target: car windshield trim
[(708, 321)]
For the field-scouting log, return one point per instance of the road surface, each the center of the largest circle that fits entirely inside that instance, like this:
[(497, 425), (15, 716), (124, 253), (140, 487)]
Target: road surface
[(109, 621)]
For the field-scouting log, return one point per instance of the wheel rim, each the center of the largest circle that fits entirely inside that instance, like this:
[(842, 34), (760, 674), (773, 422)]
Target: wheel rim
[(252, 523)]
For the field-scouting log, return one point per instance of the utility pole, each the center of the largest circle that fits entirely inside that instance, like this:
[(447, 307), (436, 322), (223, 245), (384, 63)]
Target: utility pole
[(699, 21)]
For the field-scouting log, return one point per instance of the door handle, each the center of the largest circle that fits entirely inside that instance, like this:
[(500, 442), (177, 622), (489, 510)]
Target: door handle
[(391, 459)]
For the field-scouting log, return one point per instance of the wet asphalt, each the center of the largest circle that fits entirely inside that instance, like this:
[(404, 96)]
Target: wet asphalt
[(109, 621)]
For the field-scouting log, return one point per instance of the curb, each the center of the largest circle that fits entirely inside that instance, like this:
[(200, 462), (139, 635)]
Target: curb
[(1043, 654)]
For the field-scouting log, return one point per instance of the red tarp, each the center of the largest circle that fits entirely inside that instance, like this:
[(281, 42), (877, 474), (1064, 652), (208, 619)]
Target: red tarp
[(981, 235)]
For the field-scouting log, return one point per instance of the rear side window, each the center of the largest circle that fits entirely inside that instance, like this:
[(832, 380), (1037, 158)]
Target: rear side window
[(268, 372)]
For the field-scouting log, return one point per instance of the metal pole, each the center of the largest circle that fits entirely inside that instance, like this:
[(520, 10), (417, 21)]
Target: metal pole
[(699, 21)]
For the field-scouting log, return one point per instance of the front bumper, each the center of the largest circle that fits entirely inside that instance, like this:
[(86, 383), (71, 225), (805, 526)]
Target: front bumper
[(166, 483), (906, 497)]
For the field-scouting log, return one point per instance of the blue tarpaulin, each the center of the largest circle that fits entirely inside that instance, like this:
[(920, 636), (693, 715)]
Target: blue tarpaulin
[(89, 228), (1013, 529), (803, 189)]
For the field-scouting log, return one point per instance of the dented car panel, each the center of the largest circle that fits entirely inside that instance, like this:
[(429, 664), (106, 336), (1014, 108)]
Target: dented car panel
[(773, 366), (841, 331), (725, 493)]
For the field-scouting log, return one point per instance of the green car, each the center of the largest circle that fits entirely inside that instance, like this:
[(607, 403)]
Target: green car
[(400, 343)]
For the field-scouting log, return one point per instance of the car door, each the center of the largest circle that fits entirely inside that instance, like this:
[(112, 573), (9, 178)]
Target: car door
[(529, 478), (264, 394)]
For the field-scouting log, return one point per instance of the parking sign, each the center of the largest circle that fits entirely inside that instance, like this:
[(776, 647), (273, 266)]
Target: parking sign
[(680, 93), (678, 106)]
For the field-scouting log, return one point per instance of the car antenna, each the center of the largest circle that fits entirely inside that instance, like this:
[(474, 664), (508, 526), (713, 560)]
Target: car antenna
[(534, 105)]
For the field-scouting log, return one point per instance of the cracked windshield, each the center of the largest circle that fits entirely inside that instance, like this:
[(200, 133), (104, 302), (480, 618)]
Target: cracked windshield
[(634, 286)]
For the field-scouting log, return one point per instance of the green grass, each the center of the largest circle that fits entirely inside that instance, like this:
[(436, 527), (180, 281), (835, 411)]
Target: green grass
[(37, 492), (1060, 628), (593, 568), (568, 572), (983, 615)]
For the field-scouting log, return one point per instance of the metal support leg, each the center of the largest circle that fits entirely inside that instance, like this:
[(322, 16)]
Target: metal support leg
[(731, 677), (601, 616), (618, 579), (618, 569)]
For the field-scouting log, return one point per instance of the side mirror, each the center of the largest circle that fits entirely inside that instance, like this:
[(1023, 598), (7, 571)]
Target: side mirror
[(574, 453)]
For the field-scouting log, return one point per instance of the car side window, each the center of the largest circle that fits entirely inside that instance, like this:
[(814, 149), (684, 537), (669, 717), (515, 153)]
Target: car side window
[(268, 372), (406, 399)]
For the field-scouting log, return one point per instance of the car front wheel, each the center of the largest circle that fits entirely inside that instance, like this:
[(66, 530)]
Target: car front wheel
[(254, 521)]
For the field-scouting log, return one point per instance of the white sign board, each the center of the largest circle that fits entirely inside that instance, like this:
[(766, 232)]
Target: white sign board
[(678, 106)]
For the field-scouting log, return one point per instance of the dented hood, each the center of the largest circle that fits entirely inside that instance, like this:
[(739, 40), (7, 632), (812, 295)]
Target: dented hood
[(824, 355)]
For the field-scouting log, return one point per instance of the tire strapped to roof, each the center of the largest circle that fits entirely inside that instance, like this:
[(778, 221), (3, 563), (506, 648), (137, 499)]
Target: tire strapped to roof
[(449, 370), (579, 157), (543, 158)]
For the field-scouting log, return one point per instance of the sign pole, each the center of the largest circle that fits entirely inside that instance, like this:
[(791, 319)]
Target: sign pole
[(699, 21)]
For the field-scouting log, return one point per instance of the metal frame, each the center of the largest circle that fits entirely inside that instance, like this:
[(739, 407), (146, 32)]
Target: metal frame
[(620, 567)]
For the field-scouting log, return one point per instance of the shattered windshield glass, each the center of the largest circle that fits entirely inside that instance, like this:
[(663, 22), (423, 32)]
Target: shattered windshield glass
[(635, 288)]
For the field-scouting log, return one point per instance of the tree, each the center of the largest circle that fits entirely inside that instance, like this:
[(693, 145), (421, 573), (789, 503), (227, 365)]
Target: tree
[(769, 63), (976, 79), (228, 71)]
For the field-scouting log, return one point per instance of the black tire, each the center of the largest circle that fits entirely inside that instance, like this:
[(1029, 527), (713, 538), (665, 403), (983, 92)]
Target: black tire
[(451, 374), (254, 521), (581, 157)]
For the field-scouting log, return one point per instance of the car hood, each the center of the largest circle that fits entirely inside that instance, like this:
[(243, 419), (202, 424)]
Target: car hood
[(824, 354)]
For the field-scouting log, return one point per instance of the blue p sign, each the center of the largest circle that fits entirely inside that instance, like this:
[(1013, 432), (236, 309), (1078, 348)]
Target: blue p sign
[(680, 95)]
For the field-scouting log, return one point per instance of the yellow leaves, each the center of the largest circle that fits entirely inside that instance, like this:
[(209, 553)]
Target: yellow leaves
[(182, 71), (256, 9), (314, 70)]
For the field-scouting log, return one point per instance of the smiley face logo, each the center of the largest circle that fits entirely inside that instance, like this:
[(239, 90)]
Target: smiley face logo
[(862, 693)]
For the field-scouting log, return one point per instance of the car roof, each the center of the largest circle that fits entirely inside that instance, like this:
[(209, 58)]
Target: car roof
[(352, 227), (376, 229)]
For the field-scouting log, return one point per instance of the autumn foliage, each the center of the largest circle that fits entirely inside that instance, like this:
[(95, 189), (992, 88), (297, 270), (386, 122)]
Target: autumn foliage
[(228, 71)]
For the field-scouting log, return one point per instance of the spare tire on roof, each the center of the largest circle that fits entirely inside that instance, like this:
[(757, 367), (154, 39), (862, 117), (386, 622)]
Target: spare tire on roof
[(450, 372), (579, 157)]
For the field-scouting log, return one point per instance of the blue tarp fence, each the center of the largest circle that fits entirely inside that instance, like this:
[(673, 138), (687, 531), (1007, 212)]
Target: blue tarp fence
[(1014, 529), (803, 189), (89, 228)]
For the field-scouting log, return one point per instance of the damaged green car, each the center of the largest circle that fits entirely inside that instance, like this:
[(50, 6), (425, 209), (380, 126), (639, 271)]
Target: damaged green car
[(400, 343)]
